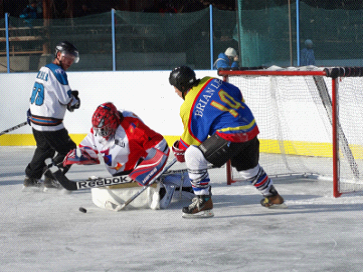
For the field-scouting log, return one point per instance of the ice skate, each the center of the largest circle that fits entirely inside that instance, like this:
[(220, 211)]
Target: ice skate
[(201, 207), (50, 184), (274, 202), (32, 184)]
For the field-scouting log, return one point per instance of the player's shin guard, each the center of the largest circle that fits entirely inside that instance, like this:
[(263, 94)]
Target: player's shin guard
[(200, 181), (259, 179), (264, 185), (197, 170)]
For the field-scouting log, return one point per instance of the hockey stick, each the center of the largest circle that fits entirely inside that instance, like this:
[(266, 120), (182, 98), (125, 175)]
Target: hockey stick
[(99, 182), (118, 208), (13, 128), (88, 184), (96, 183)]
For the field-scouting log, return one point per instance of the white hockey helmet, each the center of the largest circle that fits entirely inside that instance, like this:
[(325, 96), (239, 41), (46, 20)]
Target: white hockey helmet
[(231, 52)]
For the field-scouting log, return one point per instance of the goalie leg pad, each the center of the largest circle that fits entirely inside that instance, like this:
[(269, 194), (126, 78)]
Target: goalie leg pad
[(180, 182), (165, 198), (178, 179), (150, 167), (110, 198)]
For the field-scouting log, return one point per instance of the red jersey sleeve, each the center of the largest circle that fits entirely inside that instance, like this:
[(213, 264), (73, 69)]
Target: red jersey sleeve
[(140, 135)]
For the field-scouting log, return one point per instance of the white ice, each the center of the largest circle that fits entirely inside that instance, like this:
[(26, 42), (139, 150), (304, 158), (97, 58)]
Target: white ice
[(46, 232)]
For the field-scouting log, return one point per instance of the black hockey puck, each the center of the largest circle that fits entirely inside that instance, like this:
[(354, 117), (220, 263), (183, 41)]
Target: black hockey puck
[(82, 209)]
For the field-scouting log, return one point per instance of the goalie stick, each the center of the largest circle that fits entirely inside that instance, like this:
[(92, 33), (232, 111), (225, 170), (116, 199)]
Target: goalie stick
[(96, 183), (108, 181), (132, 198), (100, 182), (88, 184), (13, 128)]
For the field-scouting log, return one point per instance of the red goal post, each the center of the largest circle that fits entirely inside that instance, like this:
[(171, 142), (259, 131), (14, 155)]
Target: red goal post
[(302, 117)]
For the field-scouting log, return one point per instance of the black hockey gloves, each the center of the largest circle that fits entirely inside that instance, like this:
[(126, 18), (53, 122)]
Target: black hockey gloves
[(75, 102)]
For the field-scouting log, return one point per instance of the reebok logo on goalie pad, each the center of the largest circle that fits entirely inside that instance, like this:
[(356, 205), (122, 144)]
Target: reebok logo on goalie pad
[(104, 182)]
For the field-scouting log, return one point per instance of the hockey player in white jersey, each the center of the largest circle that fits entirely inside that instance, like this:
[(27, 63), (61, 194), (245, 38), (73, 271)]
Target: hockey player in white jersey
[(50, 97), (128, 146)]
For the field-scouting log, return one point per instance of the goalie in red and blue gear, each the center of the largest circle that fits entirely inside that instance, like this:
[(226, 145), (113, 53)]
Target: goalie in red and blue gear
[(126, 145), (218, 126)]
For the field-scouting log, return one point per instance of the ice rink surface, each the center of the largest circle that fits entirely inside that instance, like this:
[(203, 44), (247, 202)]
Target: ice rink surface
[(46, 232)]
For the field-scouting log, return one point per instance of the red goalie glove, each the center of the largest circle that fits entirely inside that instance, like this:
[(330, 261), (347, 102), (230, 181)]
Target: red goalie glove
[(79, 156), (178, 152)]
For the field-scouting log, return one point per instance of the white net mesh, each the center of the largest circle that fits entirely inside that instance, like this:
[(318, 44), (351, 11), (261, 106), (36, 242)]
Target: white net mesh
[(294, 117)]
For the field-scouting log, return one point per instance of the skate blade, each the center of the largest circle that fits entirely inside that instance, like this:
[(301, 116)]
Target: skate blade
[(53, 190), (201, 214), (277, 206), (31, 189)]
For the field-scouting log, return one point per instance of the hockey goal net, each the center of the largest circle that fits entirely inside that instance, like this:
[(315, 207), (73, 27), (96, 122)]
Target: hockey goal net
[(310, 121)]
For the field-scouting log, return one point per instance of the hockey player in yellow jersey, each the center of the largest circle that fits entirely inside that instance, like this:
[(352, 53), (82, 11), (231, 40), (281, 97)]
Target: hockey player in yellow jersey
[(218, 126)]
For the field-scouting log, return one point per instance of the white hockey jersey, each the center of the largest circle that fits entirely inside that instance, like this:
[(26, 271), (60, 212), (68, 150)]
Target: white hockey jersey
[(49, 98), (130, 144)]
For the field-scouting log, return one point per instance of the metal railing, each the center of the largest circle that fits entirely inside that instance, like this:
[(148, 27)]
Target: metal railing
[(114, 37)]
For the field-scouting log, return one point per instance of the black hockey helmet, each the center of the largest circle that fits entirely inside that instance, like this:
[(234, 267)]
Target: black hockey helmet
[(183, 78), (66, 47)]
